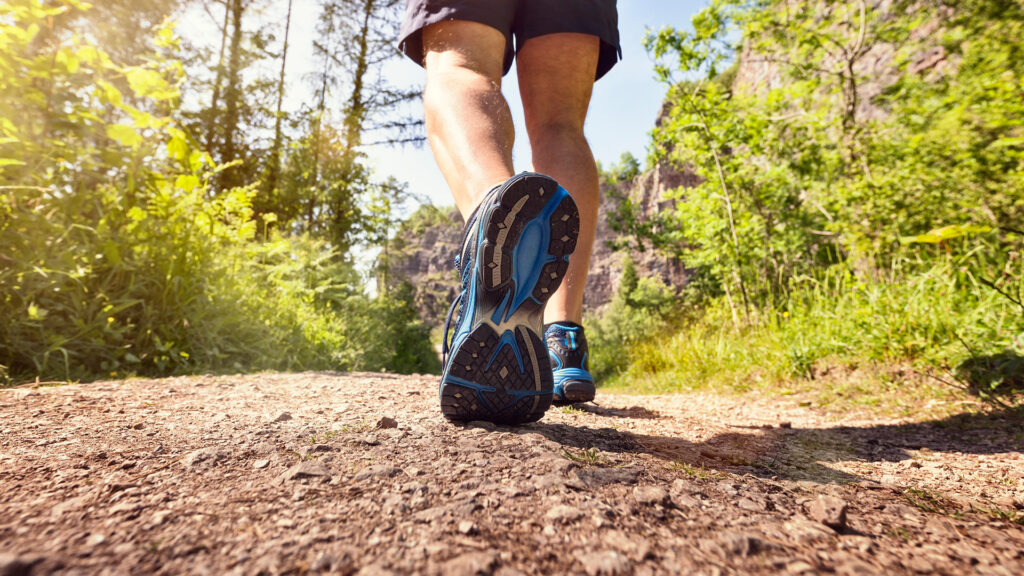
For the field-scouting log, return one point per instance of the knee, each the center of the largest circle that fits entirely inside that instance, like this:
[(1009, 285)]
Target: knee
[(557, 135), (455, 70)]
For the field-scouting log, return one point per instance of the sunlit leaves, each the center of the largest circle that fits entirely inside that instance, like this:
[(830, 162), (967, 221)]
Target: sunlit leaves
[(125, 135), (150, 84)]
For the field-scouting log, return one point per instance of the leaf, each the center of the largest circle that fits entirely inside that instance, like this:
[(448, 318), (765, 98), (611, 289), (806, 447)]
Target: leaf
[(187, 182), (126, 135), (1006, 142), (945, 233), (11, 162), (150, 84)]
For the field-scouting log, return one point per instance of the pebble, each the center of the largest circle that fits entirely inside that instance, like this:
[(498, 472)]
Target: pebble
[(283, 417), (378, 471), (385, 423), (604, 563), (805, 531), (204, 458), (742, 544), (306, 469), (564, 513), (828, 510), (467, 527), (471, 564), (595, 477), (261, 464), (13, 564), (651, 496)]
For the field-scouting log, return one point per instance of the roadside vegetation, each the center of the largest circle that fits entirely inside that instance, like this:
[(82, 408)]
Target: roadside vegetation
[(852, 221), (156, 218)]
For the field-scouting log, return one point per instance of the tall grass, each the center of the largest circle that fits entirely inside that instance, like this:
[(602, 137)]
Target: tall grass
[(932, 316)]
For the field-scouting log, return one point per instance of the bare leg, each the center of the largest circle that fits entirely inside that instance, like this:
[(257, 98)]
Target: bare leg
[(469, 124), (556, 78)]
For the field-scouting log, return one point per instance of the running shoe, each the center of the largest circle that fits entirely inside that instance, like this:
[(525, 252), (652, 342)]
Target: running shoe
[(515, 251), (567, 346)]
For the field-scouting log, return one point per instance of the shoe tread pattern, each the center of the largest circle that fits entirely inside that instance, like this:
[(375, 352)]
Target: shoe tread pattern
[(505, 219)]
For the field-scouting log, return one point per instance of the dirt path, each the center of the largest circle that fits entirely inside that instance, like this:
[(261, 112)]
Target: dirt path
[(288, 474)]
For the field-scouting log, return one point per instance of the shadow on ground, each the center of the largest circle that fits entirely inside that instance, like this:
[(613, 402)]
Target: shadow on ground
[(994, 376), (799, 453)]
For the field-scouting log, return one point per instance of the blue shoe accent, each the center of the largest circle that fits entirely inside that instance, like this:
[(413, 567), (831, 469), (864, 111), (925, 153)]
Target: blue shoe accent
[(515, 251), (567, 348)]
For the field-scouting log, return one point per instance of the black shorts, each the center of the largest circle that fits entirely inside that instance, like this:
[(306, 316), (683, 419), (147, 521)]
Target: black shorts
[(523, 19)]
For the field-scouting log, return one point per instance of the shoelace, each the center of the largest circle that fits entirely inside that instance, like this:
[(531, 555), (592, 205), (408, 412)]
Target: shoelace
[(445, 347)]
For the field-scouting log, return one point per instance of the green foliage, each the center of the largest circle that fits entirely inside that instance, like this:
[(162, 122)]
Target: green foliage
[(800, 174), (625, 170), (932, 315), (641, 309), (843, 213), (118, 256)]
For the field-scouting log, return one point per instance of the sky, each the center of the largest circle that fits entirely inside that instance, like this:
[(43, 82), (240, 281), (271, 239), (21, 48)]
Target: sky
[(623, 107)]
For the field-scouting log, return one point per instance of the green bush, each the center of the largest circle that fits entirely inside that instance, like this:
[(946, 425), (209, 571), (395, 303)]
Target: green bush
[(117, 258), (641, 309)]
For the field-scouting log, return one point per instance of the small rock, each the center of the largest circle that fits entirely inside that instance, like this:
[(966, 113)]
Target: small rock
[(742, 544), (283, 417), (828, 510), (564, 514), (1005, 502), (804, 531), (130, 508), (749, 505), (95, 540), (651, 495), (204, 458), (13, 565), (467, 527), (385, 423), (159, 518), (471, 564), (481, 424), (306, 469), (378, 471), (323, 563), (799, 567), (595, 477), (785, 424), (604, 563), (261, 464)]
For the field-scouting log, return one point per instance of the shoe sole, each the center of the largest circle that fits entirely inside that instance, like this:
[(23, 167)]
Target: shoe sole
[(500, 369), (575, 392)]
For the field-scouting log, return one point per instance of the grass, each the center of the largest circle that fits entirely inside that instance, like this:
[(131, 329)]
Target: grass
[(908, 342), (586, 456), (930, 501), (694, 472)]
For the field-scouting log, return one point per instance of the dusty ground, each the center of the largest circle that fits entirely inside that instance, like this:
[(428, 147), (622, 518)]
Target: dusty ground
[(288, 474)]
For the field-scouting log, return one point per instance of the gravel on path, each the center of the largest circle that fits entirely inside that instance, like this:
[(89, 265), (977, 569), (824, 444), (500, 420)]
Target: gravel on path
[(359, 474)]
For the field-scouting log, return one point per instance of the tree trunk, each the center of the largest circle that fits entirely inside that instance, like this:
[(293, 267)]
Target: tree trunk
[(355, 113), (233, 97), (275, 152), (211, 128)]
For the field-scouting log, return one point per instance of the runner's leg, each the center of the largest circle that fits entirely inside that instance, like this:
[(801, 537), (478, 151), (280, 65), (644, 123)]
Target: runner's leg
[(468, 121), (556, 77)]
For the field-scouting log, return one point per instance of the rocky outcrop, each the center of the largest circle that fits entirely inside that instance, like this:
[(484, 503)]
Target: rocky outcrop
[(875, 61), (424, 256), (647, 192)]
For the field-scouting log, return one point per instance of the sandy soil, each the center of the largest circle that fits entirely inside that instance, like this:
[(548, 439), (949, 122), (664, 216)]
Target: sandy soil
[(358, 473)]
